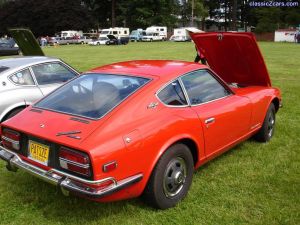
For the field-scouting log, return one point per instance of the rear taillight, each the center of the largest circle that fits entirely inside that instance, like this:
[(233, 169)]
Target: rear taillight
[(10, 139), (74, 161)]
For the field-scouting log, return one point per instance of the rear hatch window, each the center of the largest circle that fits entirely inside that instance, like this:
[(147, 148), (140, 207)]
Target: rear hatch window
[(92, 95)]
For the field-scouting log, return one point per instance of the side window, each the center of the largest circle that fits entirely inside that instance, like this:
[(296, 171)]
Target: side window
[(22, 78), (115, 32), (202, 87), (50, 73), (172, 95)]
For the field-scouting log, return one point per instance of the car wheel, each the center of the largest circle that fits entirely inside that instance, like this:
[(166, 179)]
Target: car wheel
[(267, 130), (151, 40), (98, 43), (107, 43), (171, 177), (12, 113)]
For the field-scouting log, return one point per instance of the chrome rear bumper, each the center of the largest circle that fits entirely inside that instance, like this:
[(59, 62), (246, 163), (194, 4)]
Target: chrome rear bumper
[(67, 182)]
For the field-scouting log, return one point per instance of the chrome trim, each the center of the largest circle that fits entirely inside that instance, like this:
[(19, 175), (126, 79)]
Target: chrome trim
[(203, 103), (209, 120), (22, 85), (184, 91), (216, 77), (68, 132), (171, 106), (66, 181), (85, 166)]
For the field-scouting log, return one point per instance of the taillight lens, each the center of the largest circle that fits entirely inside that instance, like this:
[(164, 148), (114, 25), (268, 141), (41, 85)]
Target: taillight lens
[(10, 139), (74, 161)]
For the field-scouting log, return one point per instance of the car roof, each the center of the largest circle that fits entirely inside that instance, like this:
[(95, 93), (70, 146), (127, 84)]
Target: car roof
[(164, 69), (14, 64), (24, 61)]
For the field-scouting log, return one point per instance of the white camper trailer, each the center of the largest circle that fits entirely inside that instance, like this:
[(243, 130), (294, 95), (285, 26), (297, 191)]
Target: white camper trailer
[(70, 34), (118, 32), (285, 35), (182, 34), (156, 29)]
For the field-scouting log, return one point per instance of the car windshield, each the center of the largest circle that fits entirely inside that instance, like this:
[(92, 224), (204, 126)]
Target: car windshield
[(92, 95), (103, 38), (105, 32)]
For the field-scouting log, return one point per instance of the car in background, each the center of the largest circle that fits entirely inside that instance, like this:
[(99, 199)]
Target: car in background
[(8, 47), (100, 41), (53, 40), (137, 35), (25, 80), (152, 37), (142, 127)]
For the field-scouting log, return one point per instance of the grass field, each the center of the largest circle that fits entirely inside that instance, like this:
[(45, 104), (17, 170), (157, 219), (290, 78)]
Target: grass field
[(251, 184)]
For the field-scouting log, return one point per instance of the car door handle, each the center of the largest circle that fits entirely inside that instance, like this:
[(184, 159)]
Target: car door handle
[(209, 120)]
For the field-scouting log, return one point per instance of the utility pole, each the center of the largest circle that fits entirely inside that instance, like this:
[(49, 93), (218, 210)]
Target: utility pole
[(113, 13), (193, 5), (234, 12)]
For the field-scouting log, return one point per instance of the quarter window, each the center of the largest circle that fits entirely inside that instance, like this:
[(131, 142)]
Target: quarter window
[(22, 78), (202, 87), (172, 95), (51, 73)]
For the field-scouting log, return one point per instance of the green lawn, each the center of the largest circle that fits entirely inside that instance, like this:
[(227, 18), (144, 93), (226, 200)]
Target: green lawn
[(251, 184)]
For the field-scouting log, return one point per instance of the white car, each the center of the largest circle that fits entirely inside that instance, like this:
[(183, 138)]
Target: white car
[(152, 37), (100, 41)]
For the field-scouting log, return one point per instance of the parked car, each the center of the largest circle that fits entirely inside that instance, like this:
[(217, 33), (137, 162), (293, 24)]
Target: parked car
[(142, 127), (25, 80), (152, 37), (137, 35), (8, 47), (101, 41), (54, 40)]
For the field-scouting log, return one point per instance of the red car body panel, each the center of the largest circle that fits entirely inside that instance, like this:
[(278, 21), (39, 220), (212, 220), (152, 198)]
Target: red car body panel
[(152, 130), (235, 57)]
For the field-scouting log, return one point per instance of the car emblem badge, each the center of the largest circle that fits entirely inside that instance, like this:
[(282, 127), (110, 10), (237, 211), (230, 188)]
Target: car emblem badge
[(152, 105), (42, 125), (220, 37)]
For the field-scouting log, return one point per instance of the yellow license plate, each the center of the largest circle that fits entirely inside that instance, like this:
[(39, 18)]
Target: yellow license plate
[(38, 152)]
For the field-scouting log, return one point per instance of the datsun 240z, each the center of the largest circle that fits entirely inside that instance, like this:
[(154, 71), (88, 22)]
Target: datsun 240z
[(142, 127)]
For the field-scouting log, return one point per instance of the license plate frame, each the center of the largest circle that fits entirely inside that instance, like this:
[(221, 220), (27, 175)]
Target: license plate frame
[(38, 152)]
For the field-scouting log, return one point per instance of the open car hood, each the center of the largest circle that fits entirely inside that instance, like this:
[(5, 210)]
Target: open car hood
[(26, 42), (235, 57), (111, 37)]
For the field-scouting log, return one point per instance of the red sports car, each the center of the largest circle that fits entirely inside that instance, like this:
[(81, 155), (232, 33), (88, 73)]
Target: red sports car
[(142, 127)]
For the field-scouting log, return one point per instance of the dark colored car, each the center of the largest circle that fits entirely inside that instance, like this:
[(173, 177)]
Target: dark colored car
[(115, 41), (8, 47)]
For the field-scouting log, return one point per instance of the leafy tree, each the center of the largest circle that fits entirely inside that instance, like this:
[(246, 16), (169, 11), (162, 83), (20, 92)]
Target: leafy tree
[(195, 9), (45, 17)]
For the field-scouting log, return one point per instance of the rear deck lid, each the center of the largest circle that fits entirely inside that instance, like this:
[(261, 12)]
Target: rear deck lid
[(235, 57)]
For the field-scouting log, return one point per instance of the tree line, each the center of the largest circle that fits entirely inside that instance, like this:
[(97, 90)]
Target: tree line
[(46, 17)]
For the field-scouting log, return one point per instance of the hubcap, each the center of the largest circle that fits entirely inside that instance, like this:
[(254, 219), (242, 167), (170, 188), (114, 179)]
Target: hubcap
[(174, 177), (271, 122)]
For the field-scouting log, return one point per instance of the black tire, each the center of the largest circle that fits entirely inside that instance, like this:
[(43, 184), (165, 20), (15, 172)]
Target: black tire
[(107, 43), (12, 113), (266, 132), (151, 40), (171, 178)]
